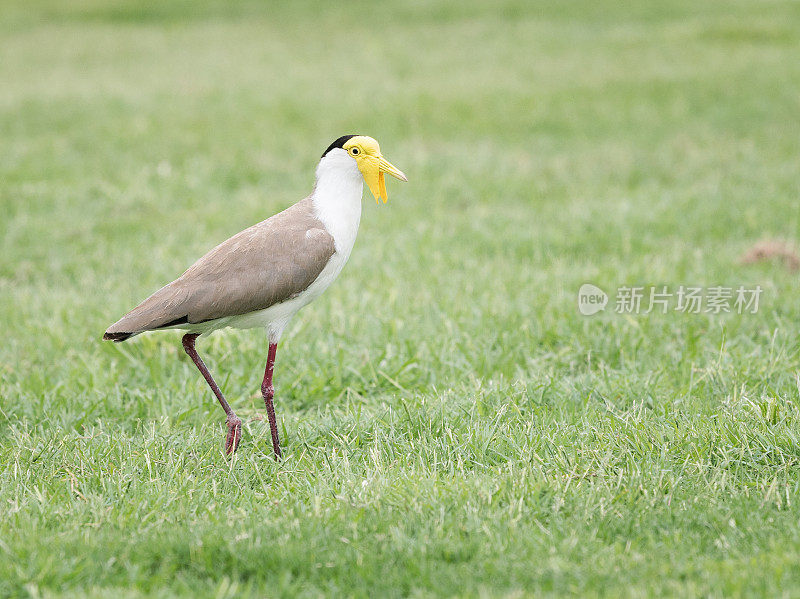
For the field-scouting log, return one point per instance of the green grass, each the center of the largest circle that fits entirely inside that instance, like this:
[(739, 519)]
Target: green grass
[(452, 425)]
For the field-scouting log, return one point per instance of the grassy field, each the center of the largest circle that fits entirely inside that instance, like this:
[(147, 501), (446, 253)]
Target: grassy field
[(453, 426)]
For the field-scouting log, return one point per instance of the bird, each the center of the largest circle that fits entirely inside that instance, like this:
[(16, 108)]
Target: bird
[(262, 276)]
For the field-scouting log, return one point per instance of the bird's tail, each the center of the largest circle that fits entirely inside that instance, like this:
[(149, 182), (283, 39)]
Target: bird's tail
[(117, 337)]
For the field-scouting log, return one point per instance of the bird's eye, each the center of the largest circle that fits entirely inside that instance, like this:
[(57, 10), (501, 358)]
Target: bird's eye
[(354, 151)]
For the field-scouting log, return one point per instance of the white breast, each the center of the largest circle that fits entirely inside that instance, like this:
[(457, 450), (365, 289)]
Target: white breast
[(337, 204), (337, 198)]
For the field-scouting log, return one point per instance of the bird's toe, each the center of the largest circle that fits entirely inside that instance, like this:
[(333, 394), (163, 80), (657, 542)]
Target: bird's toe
[(234, 424)]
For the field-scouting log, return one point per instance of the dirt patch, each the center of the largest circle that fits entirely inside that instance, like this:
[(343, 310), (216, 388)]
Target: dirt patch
[(772, 250)]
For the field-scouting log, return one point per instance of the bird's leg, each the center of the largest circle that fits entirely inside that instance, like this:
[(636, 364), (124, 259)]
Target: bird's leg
[(232, 421), (268, 391)]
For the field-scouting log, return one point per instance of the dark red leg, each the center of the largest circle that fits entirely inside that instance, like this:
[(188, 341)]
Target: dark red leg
[(268, 391), (233, 422)]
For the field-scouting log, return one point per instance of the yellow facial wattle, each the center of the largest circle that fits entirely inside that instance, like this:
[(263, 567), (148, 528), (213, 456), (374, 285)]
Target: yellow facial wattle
[(372, 164)]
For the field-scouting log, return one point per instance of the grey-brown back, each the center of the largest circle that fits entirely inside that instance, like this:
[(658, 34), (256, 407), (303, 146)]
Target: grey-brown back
[(264, 265)]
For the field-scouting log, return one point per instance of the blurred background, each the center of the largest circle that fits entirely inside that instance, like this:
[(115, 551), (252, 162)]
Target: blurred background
[(547, 144)]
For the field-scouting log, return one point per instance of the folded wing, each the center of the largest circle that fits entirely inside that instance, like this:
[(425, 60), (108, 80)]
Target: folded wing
[(264, 265)]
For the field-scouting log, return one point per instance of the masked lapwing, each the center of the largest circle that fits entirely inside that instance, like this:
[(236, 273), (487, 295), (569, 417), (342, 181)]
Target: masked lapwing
[(265, 274)]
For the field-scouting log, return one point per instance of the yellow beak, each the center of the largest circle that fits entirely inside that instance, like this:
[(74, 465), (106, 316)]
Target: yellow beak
[(373, 168)]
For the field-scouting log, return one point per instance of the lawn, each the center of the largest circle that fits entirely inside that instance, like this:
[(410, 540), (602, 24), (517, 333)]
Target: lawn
[(453, 425)]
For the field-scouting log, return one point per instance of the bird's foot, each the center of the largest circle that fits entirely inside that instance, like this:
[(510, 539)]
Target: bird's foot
[(234, 424)]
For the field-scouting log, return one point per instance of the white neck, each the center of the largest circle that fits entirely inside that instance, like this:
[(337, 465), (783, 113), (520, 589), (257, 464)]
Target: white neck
[(337, 198)]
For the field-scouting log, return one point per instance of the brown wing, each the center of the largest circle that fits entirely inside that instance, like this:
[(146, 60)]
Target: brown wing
[(264, 265)]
